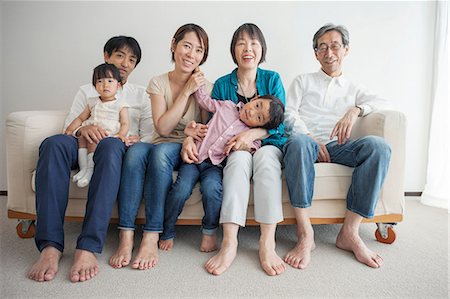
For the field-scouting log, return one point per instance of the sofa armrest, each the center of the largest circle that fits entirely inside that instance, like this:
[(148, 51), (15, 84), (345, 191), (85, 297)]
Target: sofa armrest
[(391, 125), (25, 131)]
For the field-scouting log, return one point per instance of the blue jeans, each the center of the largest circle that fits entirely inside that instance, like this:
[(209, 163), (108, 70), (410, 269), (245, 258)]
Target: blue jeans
[(156, 171), (369, 156), (57, 156), (211, 188), (131, 191)]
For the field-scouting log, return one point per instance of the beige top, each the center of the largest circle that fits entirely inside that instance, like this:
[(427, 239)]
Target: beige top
[(160, 85)]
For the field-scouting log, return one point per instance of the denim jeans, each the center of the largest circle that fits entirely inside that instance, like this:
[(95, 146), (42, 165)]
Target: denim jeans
[(369, 156), (211, 188), (161, 161), (57, 156), (131, 191)]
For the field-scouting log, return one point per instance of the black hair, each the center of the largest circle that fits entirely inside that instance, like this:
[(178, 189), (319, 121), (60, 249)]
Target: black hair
[(254, 32), (276, 112), (118, 42), (105, 70), (201, 34)]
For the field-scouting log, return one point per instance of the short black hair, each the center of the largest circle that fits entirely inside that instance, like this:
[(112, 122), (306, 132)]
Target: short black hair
[(105, 70), (118, 42), (254, 32), (276, 112)]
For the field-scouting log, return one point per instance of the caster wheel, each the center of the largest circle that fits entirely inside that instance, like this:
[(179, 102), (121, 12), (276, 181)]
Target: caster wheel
[(385, 234), (26, 229)]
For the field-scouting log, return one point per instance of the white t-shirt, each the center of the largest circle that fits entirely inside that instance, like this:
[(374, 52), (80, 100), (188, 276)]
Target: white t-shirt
[(316, 102), (139, 111)]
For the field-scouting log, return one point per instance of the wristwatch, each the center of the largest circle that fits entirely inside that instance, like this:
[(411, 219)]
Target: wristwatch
[(361, 111)]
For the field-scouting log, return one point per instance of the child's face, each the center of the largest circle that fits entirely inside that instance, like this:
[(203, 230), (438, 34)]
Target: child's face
[(107, 88), (255, 113)]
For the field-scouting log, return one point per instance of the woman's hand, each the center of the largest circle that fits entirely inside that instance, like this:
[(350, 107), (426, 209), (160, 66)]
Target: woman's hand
[(241, 142), (344, 126), (189, 152), (133, 139), (196, 80), (196, 130), (121, 137)]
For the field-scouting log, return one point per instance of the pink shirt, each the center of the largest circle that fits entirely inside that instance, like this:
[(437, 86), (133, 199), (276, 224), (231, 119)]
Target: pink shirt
[(223, 126)]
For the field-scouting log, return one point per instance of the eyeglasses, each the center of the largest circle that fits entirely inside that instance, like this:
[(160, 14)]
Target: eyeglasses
[(324, 48)]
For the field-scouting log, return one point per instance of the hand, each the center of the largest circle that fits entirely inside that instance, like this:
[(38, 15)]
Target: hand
[(228, 147), (241, 142), (121, 137), (324, 155), (196, 80), (196, 130), (92, 133), (344, 126), (189, 152), (130, 140), (68, 132)]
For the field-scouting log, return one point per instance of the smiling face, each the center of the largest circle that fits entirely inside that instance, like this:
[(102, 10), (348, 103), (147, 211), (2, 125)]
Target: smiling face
[(188, 52), (255, 113), (247, 51), (124, 59), (330, 53)]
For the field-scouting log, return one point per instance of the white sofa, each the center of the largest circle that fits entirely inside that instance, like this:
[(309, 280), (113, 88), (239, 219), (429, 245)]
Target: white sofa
[(27, 129)]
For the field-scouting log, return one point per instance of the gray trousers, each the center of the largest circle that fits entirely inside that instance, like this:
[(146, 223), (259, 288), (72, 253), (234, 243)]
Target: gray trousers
[(264, 168)]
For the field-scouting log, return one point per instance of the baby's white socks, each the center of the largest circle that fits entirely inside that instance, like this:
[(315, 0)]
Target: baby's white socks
[(86, 163)]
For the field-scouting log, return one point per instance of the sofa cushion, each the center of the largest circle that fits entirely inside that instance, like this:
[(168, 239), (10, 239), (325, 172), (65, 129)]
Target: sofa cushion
[(331, 182)]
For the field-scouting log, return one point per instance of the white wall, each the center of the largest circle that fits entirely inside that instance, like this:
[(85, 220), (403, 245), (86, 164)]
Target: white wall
[(50, 48)]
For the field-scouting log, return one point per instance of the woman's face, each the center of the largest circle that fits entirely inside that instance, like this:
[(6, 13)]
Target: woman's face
[(188, 52), (247, 51)]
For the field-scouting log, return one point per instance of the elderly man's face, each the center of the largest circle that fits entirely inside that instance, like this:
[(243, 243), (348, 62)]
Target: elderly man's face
[(330, 53)]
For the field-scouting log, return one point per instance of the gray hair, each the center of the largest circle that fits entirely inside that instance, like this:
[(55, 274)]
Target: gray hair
[(330, 27)]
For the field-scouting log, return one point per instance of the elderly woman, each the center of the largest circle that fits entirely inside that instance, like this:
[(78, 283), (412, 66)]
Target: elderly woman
[(248, 49), (148, 173)]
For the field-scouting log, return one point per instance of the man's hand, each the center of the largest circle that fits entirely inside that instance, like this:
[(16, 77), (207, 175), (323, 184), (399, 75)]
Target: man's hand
[(344, 126), (189, 152), (196, 130), (324, 155), (92, 133), (121, 137)]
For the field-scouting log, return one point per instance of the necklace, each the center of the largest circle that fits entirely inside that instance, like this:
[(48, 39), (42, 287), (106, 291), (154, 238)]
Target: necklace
[(243, 92)]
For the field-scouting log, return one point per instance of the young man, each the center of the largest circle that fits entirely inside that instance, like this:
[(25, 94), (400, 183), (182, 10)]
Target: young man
[(58, 156), (321, 110)]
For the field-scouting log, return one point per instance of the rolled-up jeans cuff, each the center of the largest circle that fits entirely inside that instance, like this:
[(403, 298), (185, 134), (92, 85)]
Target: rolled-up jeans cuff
[(126, 228), (209, 232)]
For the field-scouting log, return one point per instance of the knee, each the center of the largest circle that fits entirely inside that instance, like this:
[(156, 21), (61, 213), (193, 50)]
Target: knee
[(212, 189), (239, 159), (165, 156), (111, 149), (378, 146), (56, 142), (300, 145), (267, 158), (137, 155)]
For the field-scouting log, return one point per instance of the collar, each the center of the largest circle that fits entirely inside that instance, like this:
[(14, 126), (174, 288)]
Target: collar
[(239, 106), (339, 80), (233, 78)]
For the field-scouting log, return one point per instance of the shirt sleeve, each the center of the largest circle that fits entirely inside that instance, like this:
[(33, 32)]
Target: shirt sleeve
[(370, 102), (205, 101), (292, 120), (78, 105)]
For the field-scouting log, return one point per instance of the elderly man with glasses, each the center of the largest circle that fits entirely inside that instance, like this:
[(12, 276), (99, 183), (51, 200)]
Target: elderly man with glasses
[(321, 110)]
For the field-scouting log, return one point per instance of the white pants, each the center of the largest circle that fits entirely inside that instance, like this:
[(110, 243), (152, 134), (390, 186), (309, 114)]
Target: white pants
[(265, 166)]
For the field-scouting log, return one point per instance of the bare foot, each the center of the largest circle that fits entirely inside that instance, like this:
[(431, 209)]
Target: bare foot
[(223, 259), (349, 241), (85, 266), (271, 263), (208, 243), (166, 245), (147, 256), (300, 256), (122, 257), (46, 267)]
